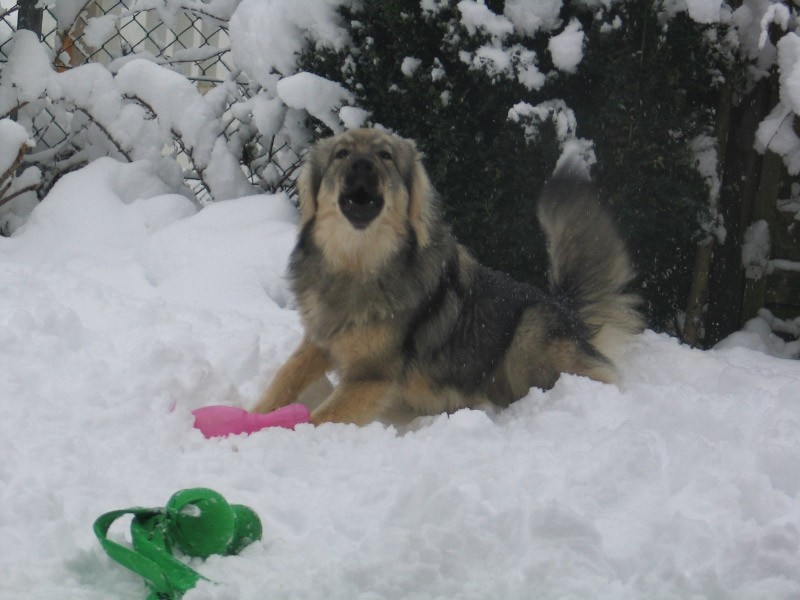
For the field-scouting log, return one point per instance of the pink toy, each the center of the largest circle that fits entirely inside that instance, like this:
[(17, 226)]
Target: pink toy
[(219, 421)]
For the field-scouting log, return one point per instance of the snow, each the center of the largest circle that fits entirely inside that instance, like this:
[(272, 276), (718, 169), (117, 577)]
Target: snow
[(268, 36), (124, 308), (99, 30), (704, 11), (789, 65), (563, 119), (476, 16), (353, 117), (704, 149), (410, 65), (755, 249), (24, 77), (529, 74), (437, 71), (65, 11), (433, 7), (492, 59), (776, 132), (612, 26), (14, 137), (774, 13), (513, 61), (530, 17), (784, 265), (318, 96), (566, 48), (759, 334)]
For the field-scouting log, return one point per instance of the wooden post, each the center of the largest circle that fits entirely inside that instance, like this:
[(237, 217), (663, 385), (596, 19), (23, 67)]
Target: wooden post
[(740, 184), (755, 289), (693, 328)]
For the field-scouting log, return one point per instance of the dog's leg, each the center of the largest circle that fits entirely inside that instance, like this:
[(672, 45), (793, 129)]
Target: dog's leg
[(307, 365), (358, 402)]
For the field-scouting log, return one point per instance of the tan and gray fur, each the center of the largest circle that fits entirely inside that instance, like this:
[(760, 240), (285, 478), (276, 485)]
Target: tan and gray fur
[(410, 321)]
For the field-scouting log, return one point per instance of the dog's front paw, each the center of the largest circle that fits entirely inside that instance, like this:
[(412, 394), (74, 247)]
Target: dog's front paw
[(268, 403)]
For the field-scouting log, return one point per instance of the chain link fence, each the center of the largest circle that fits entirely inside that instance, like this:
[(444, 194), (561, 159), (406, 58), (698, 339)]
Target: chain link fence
[(189, 40)]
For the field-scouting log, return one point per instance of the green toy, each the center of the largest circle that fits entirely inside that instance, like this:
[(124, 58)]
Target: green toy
[(196, 521)]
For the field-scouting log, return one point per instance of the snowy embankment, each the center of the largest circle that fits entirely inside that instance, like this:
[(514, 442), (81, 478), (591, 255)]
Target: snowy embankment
[(123, 310)]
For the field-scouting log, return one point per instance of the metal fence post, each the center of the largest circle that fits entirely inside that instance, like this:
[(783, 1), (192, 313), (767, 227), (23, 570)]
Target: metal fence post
[(29, 17)]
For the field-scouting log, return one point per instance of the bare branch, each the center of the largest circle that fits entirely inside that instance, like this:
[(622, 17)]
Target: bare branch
[(9, 175), (30, 188), (200, 173), (107, 133), (183, 6), (7, 12), (209, 56), (77, 161), (287, 174), (13, 110), (141, 102), (14, 165)]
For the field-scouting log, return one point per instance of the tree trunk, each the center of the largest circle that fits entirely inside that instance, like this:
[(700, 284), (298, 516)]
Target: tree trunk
[(755, 289), (693, 330), (740, 185)]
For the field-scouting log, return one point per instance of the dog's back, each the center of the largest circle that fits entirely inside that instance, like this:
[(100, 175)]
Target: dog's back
[(498, 337)]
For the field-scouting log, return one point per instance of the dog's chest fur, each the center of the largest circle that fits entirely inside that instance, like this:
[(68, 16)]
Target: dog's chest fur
[(433, 310), (334, 303)]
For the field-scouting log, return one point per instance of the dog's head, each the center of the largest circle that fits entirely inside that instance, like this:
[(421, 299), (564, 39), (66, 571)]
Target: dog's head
[(366, 189)]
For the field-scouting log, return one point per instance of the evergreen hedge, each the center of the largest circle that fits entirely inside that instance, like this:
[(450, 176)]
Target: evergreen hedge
[(641, 92)]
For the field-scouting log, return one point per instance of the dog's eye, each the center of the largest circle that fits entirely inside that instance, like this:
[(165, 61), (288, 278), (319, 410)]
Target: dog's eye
[(384, 155), (343, 153)]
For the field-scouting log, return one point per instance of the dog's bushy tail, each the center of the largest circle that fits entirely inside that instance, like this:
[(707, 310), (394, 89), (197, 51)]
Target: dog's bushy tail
[(590, 269)]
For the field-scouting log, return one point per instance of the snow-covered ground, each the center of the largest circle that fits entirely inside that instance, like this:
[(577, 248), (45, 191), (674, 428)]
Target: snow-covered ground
[(123, 309)]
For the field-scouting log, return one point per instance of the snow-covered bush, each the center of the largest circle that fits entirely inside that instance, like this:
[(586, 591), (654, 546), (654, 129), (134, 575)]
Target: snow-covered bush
[(102, 87)]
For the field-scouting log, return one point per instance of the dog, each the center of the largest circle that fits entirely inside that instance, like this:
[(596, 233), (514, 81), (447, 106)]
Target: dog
[(408, 320)]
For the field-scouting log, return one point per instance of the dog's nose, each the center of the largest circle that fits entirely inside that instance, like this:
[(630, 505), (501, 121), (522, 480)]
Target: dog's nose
[(362, 166), (361, 173)]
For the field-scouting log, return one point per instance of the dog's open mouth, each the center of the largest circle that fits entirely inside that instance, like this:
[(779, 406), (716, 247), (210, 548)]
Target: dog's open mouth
[(360, 206)]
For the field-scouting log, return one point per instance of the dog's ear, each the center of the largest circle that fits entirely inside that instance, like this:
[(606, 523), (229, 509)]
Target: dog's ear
[(421, 195), (310, 179)]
